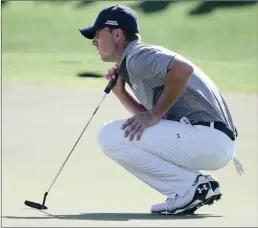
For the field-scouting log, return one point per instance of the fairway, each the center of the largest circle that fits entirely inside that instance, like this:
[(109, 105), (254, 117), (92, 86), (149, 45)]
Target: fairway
[(40, 126), (42, 46)]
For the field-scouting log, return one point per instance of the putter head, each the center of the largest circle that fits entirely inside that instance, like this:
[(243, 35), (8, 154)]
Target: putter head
[(35, 205)]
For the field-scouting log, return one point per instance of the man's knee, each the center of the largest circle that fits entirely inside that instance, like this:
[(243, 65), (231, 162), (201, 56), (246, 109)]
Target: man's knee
[(110, 136)]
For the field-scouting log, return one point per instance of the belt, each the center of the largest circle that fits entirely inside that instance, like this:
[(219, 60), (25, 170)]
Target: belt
[(221, 127)]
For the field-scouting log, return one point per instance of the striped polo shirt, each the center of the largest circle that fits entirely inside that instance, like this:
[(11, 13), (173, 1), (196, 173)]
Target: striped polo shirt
[(144, 68)]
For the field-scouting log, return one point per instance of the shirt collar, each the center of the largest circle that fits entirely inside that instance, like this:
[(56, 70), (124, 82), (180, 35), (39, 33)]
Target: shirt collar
[(128, 49)]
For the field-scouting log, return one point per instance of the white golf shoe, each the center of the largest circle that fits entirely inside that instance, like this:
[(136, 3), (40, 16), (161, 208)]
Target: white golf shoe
[(195, 197), (216, 194)]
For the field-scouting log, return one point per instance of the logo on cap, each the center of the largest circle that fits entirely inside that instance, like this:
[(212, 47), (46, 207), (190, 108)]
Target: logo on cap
[(111, 22)]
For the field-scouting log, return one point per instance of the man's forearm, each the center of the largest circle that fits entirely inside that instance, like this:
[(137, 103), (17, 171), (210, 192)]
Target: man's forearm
[(130, 102)]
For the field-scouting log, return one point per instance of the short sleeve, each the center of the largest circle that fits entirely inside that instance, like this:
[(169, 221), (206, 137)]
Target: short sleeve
[(150, 65)]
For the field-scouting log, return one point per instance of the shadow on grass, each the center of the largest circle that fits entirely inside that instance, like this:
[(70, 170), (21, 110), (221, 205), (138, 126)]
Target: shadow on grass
[(152, 6), (204, 7), (208, 6), (89, 75), (81, 4), (117, 217), (56, 2), (78, 4)]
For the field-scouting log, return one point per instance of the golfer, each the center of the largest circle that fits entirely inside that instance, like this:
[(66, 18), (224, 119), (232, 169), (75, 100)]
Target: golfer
[(180, 124)]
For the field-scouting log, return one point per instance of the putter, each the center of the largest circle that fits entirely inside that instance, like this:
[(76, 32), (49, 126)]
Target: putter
[(42, 206)]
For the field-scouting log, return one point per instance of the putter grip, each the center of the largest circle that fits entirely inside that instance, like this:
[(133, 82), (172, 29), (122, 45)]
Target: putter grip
[(111, 83)]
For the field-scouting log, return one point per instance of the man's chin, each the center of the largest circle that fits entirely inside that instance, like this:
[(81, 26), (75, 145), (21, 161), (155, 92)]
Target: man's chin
[(105, 59)]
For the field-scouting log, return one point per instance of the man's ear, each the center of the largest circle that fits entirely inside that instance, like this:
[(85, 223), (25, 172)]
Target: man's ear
[(118, 33)]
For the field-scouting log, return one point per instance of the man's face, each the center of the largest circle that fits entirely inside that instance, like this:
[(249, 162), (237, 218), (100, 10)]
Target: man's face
[(105, 43)]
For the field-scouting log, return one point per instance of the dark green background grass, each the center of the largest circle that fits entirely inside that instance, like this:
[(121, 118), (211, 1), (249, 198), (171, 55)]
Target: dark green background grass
[(41, 43)]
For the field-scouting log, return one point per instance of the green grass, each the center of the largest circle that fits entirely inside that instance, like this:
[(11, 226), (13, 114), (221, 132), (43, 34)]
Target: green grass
[(41, 43)]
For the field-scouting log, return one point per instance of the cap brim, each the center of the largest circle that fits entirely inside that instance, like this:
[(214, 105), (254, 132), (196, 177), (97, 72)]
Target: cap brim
[(88, 32)]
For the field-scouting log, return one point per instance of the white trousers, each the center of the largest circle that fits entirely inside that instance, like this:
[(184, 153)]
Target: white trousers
[(169, 155)]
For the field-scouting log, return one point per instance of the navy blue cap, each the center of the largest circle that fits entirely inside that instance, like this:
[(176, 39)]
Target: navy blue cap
[(116, 16)]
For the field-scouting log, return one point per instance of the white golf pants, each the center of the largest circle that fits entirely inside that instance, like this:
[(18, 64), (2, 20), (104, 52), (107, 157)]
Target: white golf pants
[(169, 155)]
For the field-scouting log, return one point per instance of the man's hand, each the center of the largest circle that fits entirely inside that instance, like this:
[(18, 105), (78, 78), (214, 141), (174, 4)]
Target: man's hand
[(120, 83), (136, 124)]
